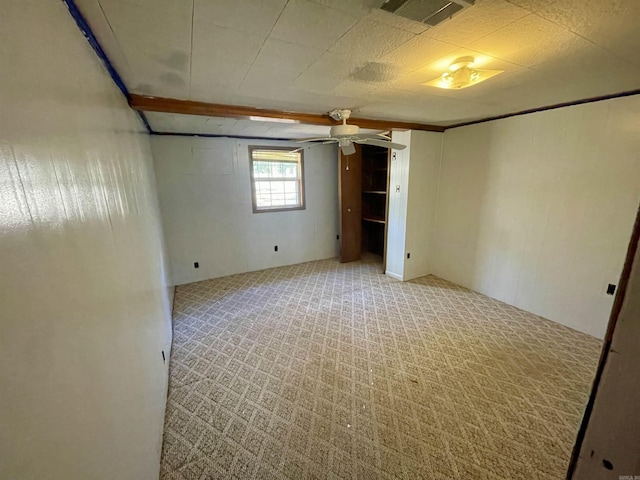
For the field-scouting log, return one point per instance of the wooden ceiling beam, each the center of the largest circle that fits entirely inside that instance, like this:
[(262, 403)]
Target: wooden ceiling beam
[(189, 107)]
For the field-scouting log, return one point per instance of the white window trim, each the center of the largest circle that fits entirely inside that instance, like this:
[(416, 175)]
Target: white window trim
[(301, 189)]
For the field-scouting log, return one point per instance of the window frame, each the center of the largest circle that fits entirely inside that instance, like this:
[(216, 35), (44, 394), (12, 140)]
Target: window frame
[(301, 188)]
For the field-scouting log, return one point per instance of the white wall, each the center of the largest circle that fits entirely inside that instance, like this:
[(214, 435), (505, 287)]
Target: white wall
[(536, 210), (424, 172), (398, 195), (412, 209), (84, 313), (205, 199)]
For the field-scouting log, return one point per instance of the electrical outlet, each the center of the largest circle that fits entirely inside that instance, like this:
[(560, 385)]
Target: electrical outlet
[(397, 188), (196, 265), (611, 289), (275, 249)]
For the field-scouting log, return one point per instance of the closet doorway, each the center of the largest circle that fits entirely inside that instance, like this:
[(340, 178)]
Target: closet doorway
[(364, 202)]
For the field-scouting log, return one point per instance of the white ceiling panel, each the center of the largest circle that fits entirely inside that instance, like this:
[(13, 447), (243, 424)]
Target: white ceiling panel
[(411, 112), (215, 46), (256, 17), (278, 53), (326, 73), (204, 76), (315, 55), (167, 25), (396, 21), (485, 17), (358, 8), (207, 90), (581, 62), (102, 29), (369, 40), (353, 89), (418, 52), (610, 24), (150, 46), (307, 23), (291, 99), (260, 77), (528, 41)]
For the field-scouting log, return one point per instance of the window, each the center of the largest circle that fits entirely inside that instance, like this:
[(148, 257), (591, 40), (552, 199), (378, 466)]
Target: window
[(276, 179)]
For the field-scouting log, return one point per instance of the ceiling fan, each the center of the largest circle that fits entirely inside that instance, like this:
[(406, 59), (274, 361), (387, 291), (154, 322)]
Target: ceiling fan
[(346, 135)]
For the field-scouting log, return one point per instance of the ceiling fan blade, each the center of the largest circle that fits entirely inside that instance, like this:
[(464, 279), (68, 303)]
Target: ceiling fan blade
[(381, 143), (348, 149), (377, 136), (317, 139), (314, 145)]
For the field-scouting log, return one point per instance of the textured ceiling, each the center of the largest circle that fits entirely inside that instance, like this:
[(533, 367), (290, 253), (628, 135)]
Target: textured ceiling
[(313, 56)]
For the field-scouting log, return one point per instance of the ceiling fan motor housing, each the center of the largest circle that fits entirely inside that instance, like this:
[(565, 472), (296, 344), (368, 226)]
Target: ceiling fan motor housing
[(344, 130)]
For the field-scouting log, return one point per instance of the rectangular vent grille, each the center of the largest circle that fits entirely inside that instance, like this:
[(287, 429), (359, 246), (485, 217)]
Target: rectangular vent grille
[(431, 12)]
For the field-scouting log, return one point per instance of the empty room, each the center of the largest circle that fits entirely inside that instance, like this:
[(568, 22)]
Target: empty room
[(319, 239)]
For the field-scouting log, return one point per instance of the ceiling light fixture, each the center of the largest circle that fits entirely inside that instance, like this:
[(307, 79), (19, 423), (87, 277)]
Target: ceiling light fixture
[(461, 74)]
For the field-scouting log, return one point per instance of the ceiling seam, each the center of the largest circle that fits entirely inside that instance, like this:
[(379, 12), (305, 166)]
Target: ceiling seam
[(328, 49), (568, 29), (115, 37), (586, 39), (85, 28), (265, 41)]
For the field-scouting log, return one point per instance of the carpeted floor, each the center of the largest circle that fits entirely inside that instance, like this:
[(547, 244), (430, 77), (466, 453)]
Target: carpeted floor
[(328, 370)]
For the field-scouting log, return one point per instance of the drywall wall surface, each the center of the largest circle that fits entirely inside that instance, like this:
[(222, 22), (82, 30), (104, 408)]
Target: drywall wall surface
[(205, 200), (398, 198), (536, 210), (413, 197), (422, 191), (84, 314)]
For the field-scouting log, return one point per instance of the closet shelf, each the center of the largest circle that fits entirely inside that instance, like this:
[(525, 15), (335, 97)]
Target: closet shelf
[(371, 219), (379, 192)]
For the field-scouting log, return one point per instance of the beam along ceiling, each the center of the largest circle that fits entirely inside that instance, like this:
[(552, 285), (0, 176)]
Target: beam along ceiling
[(316, 55)]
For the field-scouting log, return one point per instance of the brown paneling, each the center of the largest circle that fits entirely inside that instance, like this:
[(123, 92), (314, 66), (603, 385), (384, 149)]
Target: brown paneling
[(350, 188), (189, 107)]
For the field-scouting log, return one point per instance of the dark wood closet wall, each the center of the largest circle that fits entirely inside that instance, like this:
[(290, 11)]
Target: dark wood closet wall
[(364, 192)]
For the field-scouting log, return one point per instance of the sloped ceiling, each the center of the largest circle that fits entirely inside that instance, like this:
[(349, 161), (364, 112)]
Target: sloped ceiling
[(316, 55)]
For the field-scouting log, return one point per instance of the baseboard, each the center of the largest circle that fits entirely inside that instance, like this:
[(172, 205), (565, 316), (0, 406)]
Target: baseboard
[(394, 275)]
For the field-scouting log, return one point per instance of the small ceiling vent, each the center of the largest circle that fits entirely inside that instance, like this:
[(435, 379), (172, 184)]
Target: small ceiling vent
[(431, 12)]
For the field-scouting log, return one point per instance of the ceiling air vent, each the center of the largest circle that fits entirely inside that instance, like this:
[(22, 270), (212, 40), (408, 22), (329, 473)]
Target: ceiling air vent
[(431, 12)]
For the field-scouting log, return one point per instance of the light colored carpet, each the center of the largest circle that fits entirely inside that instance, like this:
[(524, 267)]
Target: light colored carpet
[(328, 370)]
